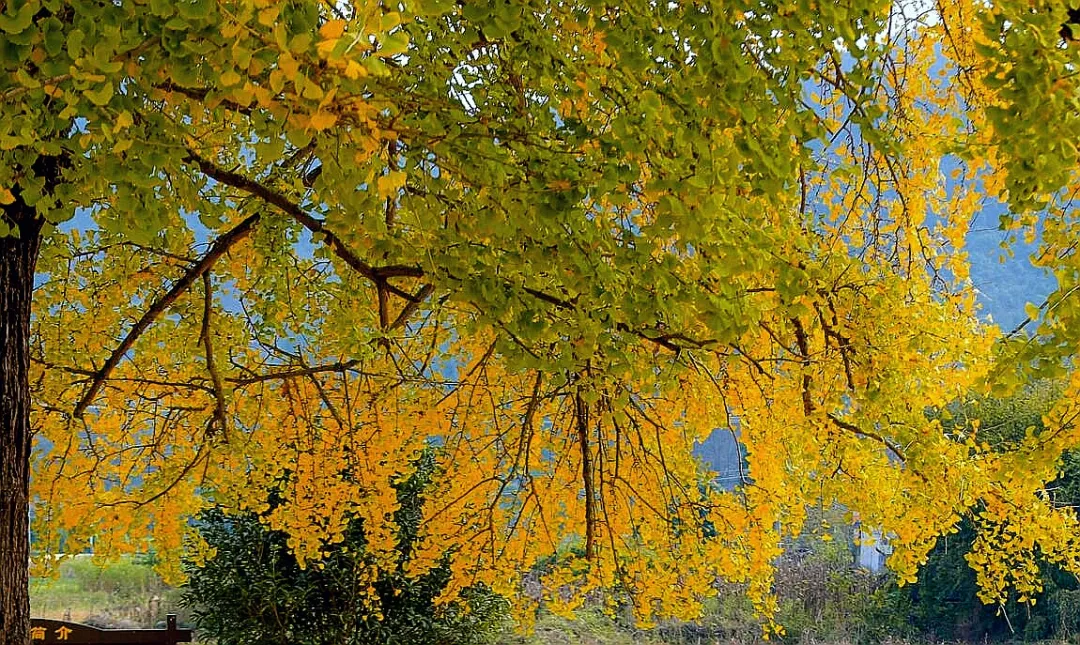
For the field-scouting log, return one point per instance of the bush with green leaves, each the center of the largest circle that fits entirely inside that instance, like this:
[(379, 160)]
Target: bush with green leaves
[(944, 603), (252, 590)]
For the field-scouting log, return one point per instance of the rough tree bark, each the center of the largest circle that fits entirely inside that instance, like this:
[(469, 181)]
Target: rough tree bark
[(18, 255)]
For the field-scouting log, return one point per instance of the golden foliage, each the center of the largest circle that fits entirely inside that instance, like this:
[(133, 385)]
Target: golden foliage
[(564, 244)]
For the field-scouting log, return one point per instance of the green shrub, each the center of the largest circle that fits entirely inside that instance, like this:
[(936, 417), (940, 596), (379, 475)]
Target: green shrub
[(1064, 612), (944, 603), (254, 591)]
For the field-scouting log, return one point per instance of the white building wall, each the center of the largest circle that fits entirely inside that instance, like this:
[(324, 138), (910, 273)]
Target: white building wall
[(874, 549)]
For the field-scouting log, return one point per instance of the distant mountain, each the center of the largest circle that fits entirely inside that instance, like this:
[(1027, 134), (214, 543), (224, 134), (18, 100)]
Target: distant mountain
[(722, 453), (1004, 287)]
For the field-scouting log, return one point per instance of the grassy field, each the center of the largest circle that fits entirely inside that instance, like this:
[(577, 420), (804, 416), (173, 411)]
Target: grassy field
[(129, 594), (121, 594)]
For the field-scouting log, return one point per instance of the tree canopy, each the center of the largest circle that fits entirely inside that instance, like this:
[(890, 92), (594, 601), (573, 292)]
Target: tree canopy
[(286, 246)]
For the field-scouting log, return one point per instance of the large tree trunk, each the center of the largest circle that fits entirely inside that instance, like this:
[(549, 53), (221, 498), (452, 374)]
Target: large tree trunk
[(17, 258)]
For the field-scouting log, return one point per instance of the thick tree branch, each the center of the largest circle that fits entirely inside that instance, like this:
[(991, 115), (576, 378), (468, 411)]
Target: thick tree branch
[(220, 246), (384, 304), (391, 201), (220, 417), (288, 374), (550, 299), (201, 94), (804, 354), (313, 224), (379, 275), (582, 418), (410, 307)]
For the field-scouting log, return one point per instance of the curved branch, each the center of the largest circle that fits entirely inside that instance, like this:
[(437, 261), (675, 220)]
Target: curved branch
[(201, 94), (220, 246), (379, 275), (313, 224)]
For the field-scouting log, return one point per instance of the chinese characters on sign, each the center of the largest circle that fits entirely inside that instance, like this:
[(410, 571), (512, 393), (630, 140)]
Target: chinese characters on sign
[(38, 633), (57, 631)]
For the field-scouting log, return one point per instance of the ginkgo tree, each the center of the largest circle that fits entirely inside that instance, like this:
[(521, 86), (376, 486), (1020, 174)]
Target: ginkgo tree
[(254, 250)]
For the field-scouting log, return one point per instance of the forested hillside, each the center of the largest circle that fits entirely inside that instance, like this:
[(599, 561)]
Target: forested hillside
[(1003, 274)]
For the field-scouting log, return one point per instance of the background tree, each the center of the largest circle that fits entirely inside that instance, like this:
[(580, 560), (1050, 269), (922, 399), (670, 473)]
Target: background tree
[(252, 590), (944, 602), (564, 241)]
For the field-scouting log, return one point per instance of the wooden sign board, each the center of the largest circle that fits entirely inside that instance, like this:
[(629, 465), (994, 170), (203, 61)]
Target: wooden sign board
[(43, 630)]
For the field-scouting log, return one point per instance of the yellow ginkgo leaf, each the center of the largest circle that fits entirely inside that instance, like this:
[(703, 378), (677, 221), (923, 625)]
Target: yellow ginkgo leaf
[(388, 184), (332, 29), (322, 120), (269, 16), (230, 78), (354, 70)]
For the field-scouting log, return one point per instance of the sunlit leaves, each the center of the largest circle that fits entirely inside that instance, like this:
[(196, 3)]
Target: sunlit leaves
[(550, 239)]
